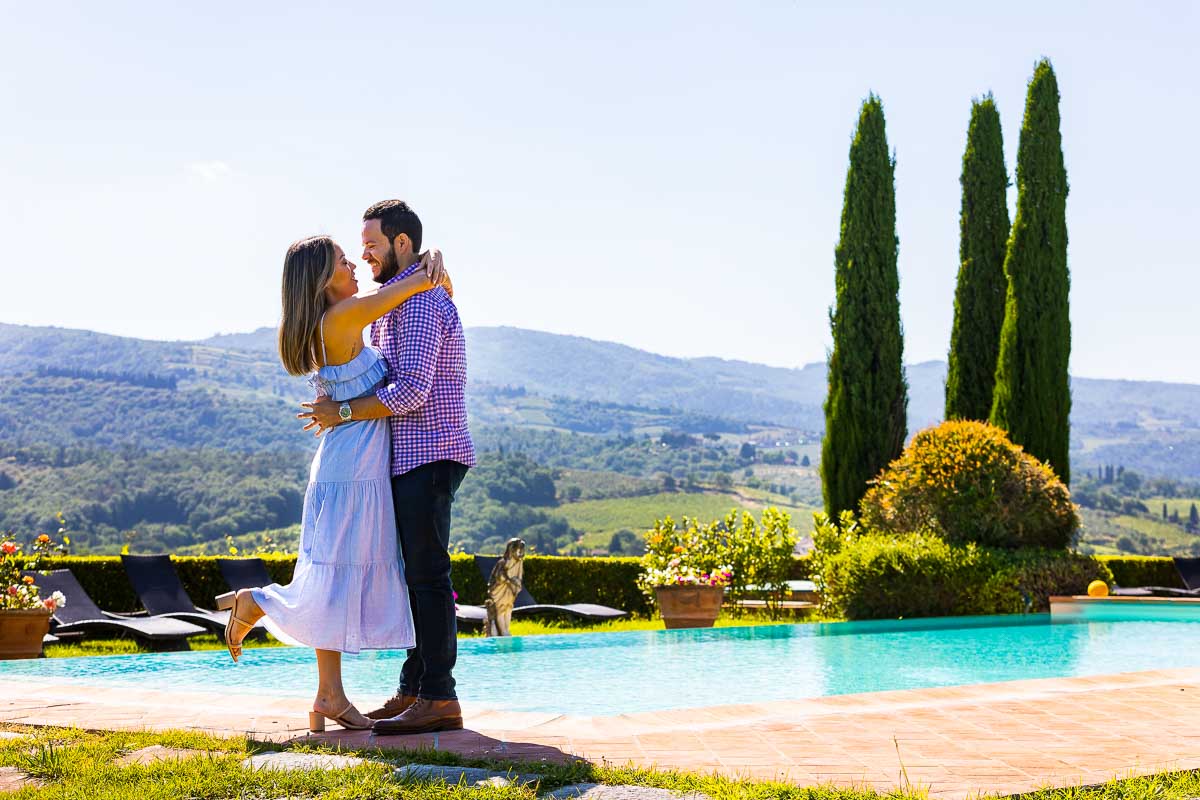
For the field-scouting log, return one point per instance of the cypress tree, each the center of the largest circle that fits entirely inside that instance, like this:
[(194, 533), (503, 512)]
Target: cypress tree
[(1032, 398), (982, 286), (867, 400)]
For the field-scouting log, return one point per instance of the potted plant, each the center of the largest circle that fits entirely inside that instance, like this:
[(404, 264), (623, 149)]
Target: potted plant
[(24, 613), (682, 570)]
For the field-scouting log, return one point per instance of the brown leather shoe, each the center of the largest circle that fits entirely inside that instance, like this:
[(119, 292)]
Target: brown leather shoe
[(423, 716), (394, 707)]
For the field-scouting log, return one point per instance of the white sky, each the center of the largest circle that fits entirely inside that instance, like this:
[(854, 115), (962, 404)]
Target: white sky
[(667, 175)]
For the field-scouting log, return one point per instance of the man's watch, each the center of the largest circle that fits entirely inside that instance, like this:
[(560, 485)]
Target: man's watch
[(344, 412)]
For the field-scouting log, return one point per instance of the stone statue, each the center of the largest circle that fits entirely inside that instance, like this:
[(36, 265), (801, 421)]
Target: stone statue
[(503, 588)]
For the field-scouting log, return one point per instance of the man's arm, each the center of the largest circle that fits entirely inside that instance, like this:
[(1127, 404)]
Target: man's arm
[(412, 359)]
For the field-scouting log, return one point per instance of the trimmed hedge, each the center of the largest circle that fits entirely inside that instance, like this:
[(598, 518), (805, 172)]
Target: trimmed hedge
[(921, 575), (608, 581), (1142, 570)]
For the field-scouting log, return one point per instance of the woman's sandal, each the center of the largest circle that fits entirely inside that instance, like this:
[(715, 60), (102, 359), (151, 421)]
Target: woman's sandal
[(228, 602), (316, 720)]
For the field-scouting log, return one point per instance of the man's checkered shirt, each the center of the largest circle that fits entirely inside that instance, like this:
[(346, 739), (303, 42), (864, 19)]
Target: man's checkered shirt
[(426, 354)]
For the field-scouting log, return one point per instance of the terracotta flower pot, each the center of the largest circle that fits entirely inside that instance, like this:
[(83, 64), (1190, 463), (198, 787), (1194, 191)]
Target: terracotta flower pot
[(21, 632), (689, 606)]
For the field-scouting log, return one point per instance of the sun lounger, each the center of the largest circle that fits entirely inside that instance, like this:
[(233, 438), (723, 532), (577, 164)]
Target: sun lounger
[(162, 594), (526, 606), (81, 615), (470, 617), (244, 573), (1189, 574)]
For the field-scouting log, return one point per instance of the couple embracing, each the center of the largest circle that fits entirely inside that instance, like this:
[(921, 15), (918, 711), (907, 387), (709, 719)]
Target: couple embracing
[(373, 569)]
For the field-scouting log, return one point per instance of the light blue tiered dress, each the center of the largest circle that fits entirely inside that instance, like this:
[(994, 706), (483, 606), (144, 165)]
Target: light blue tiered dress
[(347, 593)]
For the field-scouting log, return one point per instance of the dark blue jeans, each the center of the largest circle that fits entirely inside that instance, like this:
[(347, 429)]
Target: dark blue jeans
[(422, 498)]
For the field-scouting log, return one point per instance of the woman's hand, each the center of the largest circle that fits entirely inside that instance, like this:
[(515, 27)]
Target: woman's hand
[(435, 270), (431, 262)]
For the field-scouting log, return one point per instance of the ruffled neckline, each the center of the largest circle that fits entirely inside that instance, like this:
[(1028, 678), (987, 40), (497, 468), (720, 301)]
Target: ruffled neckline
[(355, 378), (352, 368)]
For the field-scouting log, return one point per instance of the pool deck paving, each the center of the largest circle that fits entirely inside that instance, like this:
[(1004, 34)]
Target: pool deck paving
[(956, 742)]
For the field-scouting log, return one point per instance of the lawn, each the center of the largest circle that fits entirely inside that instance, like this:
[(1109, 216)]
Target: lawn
[(84, 764)]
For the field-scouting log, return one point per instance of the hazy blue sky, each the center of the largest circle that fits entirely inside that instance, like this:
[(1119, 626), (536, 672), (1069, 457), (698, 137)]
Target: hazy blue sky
[(667, 175)]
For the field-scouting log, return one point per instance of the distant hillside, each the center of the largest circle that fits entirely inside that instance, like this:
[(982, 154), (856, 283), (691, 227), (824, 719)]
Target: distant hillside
[(532, 379)]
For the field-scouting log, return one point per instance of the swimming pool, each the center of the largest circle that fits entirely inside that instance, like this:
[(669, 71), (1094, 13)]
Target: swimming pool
[(614, 673)]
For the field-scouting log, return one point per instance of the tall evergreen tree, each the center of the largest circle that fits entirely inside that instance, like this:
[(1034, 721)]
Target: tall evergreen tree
[(979, 297), (865, 408), (1032, 399)]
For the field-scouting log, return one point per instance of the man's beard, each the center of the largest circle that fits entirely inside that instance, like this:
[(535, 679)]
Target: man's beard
[(388, 267)]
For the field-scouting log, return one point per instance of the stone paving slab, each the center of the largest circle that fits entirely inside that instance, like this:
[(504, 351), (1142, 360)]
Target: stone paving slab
[(12, 779), (155, 753), (594, 791), (954, 741), (288, 761), (471, 776)]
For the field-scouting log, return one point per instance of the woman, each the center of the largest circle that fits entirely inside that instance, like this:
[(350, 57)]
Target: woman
[(347, 593)]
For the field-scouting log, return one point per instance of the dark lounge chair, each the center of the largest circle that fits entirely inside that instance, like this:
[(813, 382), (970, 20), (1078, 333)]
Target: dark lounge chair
[(470, 617), (244, 573), (1189, 574), (162, 594), (526, 606), (81, 615)]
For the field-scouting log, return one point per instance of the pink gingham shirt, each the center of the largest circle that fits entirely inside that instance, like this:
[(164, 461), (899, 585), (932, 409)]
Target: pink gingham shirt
[(426, 354)]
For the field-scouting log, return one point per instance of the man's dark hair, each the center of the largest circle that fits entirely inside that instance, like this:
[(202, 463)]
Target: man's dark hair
[(395, 218)]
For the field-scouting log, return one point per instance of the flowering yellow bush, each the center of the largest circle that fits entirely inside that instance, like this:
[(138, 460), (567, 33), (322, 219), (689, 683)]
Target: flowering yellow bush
[(966, 482)]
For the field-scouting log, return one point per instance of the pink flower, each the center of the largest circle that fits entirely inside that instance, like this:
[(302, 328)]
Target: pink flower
[(12, 590)]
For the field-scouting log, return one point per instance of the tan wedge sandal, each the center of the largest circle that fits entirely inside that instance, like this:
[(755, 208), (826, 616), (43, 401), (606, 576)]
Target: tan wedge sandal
[(228, 602), (316, 721)]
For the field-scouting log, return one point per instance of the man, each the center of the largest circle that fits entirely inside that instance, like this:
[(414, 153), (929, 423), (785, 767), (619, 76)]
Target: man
[(424, 396)]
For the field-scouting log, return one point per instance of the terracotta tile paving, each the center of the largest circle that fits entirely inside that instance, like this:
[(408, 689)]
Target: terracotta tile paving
[(954, 741)]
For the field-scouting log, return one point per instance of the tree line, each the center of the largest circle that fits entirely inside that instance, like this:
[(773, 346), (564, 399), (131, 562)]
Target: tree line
[(1011, 338)]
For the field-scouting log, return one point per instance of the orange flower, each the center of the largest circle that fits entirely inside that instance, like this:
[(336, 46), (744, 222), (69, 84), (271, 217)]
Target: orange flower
[(43, 539), (28, 580)]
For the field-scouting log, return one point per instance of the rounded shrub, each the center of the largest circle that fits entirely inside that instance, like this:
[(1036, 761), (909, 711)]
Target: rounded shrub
[(966, 482)]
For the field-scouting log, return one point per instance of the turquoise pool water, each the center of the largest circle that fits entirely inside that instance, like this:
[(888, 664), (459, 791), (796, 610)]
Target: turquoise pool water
[(613, 673)]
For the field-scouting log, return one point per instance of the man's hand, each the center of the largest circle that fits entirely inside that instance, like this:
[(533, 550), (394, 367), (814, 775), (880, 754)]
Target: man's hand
[(323, 415)]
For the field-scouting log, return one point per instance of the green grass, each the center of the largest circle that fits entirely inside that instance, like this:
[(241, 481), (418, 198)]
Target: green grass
[(520, 627), (121, 647), (1180, 505), (602, 518), (1101, 529), (79, 764)]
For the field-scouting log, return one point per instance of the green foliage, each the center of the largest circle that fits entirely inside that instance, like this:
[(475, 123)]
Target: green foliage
[(170, 498), (1032, 399), (964, 481), (1142, 571), (868, 398), (979, 295), (874, 576), (915, 575), (111, 413), (755, 552)]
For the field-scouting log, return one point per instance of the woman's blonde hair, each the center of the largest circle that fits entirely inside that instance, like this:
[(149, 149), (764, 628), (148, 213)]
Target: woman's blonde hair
[(307, 270)]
